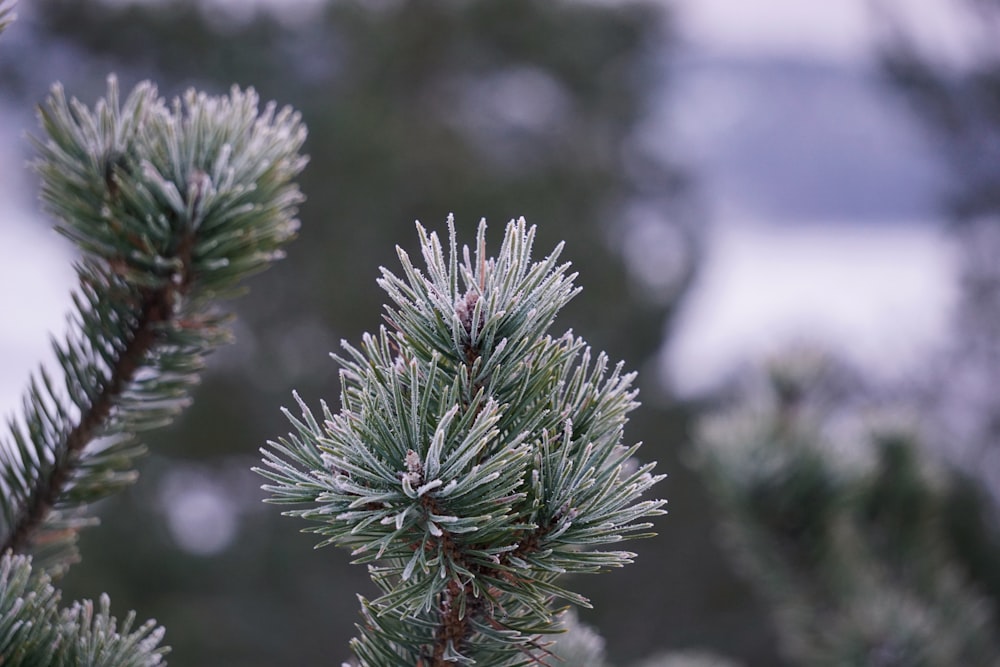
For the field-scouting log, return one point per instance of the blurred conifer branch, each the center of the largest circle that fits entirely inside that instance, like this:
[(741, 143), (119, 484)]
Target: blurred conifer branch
[(868, 550), (475, 459), (171, 207)]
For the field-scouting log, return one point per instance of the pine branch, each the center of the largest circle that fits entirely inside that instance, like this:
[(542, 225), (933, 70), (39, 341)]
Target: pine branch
[(172, 207), (475, 459), (155, 310), (35, 633)]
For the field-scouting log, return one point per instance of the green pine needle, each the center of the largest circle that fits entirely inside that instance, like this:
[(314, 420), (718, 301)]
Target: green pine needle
[(475, 458), (34, 632)]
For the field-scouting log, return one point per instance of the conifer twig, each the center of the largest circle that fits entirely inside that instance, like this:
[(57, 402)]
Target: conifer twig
[(475, 459), (156, 310), (172, 206)]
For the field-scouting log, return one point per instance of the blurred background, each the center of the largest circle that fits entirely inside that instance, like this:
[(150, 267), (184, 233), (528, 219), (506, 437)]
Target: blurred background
[(740, 185)]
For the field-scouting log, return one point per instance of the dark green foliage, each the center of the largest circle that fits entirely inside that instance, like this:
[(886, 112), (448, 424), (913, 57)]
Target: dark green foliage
[(851, 537), (972, 532)]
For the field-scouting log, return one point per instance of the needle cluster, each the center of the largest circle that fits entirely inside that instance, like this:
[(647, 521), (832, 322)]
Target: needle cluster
[(475, 459)]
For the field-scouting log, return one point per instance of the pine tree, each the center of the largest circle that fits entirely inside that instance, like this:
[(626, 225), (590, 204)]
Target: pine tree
[(475, 459), (171, 206)]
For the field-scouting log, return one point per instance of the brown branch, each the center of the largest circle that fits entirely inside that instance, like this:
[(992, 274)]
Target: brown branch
[(454, 626), (157, 307)]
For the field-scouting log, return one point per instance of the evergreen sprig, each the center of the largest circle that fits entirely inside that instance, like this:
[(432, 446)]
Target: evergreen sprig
[(474, 461), (34, 632), (171, 206)]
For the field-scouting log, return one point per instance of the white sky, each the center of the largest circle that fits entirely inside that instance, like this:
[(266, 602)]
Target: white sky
[(879, 296), (36, 271)]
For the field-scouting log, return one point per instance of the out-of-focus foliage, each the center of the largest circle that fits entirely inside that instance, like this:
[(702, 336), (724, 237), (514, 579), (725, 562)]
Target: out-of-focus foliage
[(870, 550), (874, 537), (579, 644), (957, 98), (495, 108)]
